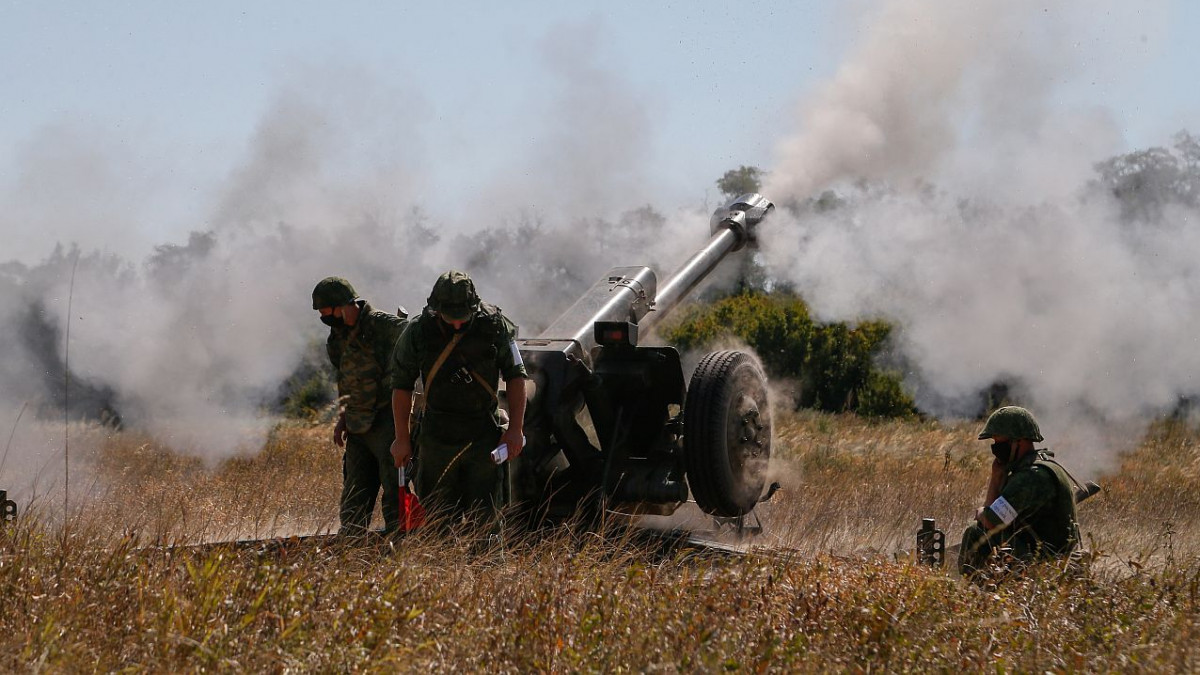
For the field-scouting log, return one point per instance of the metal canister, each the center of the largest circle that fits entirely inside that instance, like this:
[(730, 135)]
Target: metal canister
[(931, 544), (8, 508)]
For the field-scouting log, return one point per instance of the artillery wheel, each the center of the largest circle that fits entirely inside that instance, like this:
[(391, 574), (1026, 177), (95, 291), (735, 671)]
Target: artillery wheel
[(727, 433)]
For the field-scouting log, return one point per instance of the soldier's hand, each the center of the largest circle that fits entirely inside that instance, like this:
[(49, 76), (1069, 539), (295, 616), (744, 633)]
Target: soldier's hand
[(339, 431), (516, 441), (401, 451)]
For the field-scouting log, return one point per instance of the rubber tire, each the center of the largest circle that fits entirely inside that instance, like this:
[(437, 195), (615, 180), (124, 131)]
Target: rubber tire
[(726, 470)]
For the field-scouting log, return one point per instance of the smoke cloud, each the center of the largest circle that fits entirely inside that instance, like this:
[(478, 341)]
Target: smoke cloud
[(964, 214), (191, 340)]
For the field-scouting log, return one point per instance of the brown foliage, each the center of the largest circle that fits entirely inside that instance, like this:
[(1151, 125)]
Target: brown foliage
[(830, 593)]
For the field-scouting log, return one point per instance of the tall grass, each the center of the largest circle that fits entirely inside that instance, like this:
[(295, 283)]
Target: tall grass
[(832, 592)]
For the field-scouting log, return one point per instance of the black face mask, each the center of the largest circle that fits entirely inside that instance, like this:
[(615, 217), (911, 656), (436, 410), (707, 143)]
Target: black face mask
[(333, 321), (1003, 450), (461, 329)]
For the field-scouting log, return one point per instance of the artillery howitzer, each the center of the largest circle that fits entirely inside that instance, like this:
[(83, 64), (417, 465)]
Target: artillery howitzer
[(610, 423)]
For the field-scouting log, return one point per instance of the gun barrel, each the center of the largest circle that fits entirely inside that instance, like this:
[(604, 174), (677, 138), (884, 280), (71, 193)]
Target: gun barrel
[(733, 227), (633, 294), (691, 273)]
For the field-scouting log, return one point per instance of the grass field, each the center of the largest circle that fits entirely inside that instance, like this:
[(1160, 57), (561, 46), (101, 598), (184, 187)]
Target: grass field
[(829, 588)]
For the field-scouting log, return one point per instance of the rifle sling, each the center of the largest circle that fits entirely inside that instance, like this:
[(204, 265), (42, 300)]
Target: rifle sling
[(1078, 485)]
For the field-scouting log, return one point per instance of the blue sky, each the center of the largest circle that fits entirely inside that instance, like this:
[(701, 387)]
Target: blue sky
[(193, 80)]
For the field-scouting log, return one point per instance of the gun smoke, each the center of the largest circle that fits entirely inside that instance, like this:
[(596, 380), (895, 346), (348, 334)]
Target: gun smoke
[(962, 209), (191, 341)]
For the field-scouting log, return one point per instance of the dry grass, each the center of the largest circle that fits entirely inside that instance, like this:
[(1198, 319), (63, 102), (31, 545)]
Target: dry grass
[(86, 597)]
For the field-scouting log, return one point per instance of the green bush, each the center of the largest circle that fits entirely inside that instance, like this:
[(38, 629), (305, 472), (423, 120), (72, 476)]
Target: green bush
[(309, 397), (833, 364), (883, 396), (310, 389)]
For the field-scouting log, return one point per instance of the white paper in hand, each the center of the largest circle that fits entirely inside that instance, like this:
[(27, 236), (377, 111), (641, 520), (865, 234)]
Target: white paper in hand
[(500, 454)]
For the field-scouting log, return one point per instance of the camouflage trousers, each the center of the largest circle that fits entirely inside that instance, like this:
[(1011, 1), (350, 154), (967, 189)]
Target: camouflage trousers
[(455, 473), (367, 466)]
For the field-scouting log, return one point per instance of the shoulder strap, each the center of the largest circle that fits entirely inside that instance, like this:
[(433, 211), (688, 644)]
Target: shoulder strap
[(495, 320), (1050, 460), (437, 365), (483, 383)]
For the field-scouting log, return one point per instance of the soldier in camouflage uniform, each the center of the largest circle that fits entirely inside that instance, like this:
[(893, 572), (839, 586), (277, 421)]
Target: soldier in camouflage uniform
[(360, 344), (1030, 505), (460, 348)]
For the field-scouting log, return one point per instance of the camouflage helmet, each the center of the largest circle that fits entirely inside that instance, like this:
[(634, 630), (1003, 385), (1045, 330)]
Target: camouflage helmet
[(1013, 422), (454, 296), (333, 292)]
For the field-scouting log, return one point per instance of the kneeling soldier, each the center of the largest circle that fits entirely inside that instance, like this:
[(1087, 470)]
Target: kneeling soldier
[(1030, 505)]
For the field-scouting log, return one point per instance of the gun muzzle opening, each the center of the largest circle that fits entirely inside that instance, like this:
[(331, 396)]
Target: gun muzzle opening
[(741, 216)]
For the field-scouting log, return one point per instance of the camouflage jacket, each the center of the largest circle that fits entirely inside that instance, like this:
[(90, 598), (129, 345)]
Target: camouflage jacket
[(488, 351), (1038, 501), (361, 355)]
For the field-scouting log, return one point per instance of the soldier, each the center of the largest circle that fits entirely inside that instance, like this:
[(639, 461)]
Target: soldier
[(1030, 505), (460, 347), (360, 344)]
